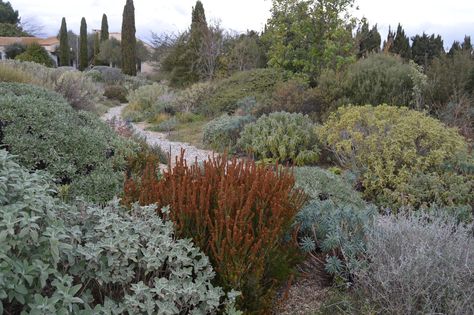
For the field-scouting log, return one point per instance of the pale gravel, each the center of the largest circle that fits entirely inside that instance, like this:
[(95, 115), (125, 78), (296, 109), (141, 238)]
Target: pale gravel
[(159, 139)]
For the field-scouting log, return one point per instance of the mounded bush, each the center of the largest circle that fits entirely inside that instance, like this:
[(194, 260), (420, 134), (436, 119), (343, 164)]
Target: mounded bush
[(36, 53), (116, 92), (237, 212), (258, 83), (282, 137), (63, 259), (418, 265), (393, 149), (334, 222), (78, 149), (378, 79), (222, 133), (142, 100)]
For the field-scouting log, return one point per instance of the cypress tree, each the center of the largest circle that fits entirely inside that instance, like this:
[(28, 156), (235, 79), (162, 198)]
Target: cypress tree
[(83, 52), (96, 48), (401, 44), (104, 30), (64, 57), (129, 42), (198, 32)]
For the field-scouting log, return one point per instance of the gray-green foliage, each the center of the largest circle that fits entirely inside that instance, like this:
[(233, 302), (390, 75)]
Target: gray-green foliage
[(223, 132), (282, 137), (75, 147), (381, 79), (335, 220), (419, 264), (122, 262)]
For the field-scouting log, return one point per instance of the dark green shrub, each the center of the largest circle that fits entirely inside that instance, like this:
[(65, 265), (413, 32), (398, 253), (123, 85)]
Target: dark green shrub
[(13, 50), (77, 148), (222, 133), (36, 53), (294, 96), (380, 79), (62, 259), (116, 92), (282, 137), (258, 83)]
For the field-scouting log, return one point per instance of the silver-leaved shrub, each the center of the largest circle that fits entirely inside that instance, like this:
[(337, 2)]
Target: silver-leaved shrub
[(62, 259)]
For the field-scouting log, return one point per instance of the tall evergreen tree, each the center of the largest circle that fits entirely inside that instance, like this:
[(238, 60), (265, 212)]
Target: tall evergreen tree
[(456, 46), (96, 48), (7, 14), (129, 42), (197, 34), (104, 30), (83, 51), (425, 48), (466, 44), (368, 40), (401, 44), (388, 43), (64, 54)]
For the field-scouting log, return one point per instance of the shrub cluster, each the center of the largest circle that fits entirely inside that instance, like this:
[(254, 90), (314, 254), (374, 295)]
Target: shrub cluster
[(36, 53), (78, 88), (63, 259), (258, 83), (282, 137), (79, 150), (237, 213), (419, 265), (396, 151), (11, 74), (221, 134)]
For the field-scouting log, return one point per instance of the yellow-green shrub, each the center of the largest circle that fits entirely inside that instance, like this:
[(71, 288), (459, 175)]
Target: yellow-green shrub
[(389, 147)]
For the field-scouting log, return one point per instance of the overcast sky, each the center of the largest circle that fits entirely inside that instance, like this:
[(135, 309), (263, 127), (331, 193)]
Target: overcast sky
[(451, 19)]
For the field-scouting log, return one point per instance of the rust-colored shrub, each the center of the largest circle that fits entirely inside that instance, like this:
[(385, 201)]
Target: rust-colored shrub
[(237, 212)]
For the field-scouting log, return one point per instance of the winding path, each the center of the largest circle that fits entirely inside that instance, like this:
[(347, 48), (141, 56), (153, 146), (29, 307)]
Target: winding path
[(159, 138)]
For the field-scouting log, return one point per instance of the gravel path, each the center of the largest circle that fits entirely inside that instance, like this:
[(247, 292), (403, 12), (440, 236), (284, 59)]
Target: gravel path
[(159, 138)]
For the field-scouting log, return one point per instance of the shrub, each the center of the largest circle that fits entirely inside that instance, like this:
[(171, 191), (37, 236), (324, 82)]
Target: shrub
[(378, 79), (62, 259), (281, 137), (36, 53), (42, 75), (389, 147), (294, 96), (191, 98), (334, 222), (167, 126), (13, 50), (419, 265), (258, 83), (75, 147), (142, 100), (10, 74), (116, 92), (78, 90), (223, 132), (110, 75), (237, 212)]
